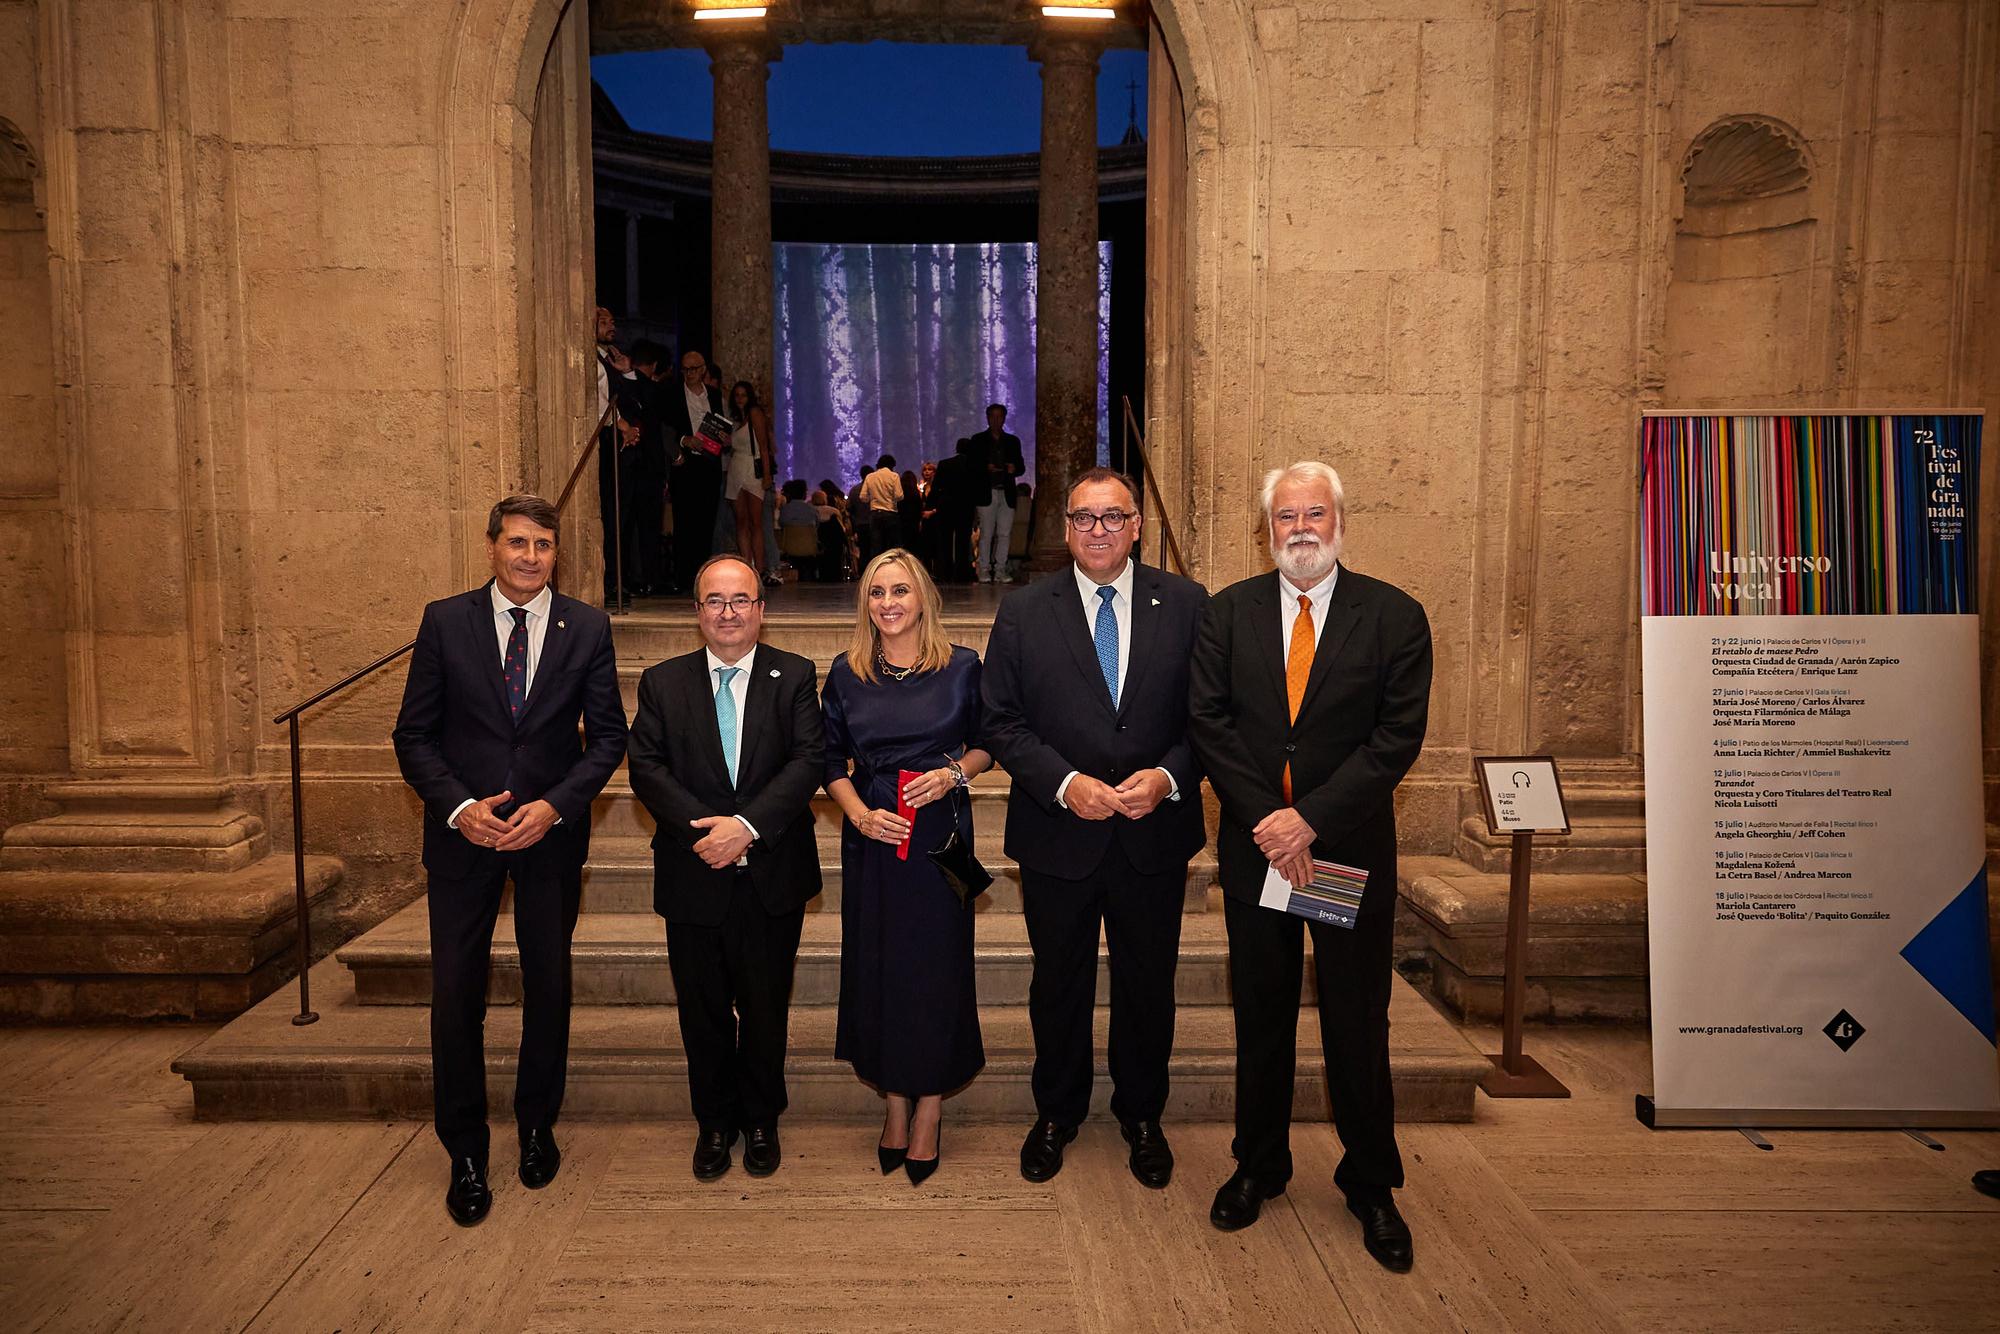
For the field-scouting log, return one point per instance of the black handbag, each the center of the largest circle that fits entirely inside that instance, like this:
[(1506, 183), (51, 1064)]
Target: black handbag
[(955, 862)]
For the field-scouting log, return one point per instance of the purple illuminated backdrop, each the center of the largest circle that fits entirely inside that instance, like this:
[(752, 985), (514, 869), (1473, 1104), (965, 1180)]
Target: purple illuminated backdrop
[(899, 348)]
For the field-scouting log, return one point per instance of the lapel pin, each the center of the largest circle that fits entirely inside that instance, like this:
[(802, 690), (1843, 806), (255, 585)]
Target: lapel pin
[(560, 624), (774, 671), (1156, 602)]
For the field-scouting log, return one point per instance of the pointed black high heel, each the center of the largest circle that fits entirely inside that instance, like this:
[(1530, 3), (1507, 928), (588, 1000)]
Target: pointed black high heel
[(891, 1159), (919, 1169)]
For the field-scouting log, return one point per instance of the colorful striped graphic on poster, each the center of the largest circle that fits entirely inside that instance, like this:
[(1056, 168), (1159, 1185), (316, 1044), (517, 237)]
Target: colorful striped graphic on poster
[(1808, 515)]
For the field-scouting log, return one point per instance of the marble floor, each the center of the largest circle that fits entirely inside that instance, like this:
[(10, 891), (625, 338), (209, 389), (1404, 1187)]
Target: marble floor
[(118, 1211)]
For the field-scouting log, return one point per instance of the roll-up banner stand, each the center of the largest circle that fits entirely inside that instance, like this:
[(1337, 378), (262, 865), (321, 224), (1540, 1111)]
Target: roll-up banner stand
[(1815, 844)]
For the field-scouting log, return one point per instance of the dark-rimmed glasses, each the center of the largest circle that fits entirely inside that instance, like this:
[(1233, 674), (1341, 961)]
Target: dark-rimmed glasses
[(1114, 521)]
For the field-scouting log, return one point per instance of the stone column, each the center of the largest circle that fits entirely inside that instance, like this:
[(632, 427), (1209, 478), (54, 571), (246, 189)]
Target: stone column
[(631, 264), (1066, 295), (740, 247)]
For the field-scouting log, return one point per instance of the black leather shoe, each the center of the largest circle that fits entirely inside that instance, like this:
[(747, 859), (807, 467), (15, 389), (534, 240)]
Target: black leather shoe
[(468, 1198), (1384, 1233), (1987, 1182), (1152, 1159), (539, 1158), (760, 1151), (891, 1159), (711, 1153), (1241, 1200), (1041, 1152)]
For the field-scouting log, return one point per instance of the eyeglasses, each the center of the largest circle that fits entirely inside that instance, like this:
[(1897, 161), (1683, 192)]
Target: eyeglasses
[(1286, 518), (715, 604), (1113, 520), (697, 367)]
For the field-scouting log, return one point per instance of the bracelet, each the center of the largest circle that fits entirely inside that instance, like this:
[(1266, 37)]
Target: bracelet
[(957, 774)]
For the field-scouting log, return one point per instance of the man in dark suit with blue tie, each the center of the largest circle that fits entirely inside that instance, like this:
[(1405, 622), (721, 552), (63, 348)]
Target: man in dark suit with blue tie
[(1086, 705), (727, 751), (487, 737)]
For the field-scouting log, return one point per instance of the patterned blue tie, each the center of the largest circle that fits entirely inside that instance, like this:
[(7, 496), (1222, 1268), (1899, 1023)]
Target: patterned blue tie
[(514, 667), (725, 717), (1107, 640)]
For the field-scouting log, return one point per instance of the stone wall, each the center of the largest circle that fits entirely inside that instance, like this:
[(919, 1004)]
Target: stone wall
[(270, 337)]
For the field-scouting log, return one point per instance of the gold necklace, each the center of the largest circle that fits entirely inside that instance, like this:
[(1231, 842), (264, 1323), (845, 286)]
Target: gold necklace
[(893, 673)]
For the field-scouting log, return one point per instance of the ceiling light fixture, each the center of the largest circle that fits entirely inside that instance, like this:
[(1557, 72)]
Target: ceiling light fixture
[(1078, 12), (733, 12)]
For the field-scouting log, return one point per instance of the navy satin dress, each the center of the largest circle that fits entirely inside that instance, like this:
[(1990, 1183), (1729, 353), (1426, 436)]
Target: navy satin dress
[(909, 1018)]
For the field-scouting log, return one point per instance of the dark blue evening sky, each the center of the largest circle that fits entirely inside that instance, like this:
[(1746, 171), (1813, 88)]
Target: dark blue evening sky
[(884, 98)]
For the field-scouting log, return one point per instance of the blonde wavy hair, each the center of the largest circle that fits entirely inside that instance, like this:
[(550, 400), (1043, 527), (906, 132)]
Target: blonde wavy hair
[(934, 648)]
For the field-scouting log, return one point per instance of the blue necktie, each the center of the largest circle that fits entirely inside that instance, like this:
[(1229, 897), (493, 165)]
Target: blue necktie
[(725, 717), (1107, 640), (514, 667)]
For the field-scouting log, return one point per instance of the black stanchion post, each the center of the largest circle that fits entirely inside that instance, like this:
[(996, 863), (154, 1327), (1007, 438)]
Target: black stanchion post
[(305, 1014)]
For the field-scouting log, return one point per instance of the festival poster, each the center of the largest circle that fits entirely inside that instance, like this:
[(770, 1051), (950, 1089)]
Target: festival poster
[(1815, 843)]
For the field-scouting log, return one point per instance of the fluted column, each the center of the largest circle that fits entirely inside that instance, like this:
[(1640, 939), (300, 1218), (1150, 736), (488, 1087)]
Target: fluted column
[(1066, 294), (740, 246)]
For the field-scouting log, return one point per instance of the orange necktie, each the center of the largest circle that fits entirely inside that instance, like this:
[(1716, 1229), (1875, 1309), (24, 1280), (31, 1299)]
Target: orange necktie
[(1298, 667)]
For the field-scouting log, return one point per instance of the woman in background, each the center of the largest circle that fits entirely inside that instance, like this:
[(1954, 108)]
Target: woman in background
[(751, 466)]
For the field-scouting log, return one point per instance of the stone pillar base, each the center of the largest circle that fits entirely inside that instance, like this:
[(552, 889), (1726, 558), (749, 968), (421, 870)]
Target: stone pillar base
[(144, 900), (138, 826)]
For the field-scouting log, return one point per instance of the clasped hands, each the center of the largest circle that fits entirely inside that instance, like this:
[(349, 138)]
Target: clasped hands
[(1286, 841), (523, 829), (1135, 798), (724, 843), (925, 788)]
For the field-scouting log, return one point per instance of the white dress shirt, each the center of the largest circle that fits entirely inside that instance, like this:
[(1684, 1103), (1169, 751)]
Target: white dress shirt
[(739, 690), (503, 630), (1121, 612), (697, 401), (1321, 596)]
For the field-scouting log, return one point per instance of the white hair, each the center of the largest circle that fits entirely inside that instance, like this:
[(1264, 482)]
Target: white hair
[(1305, 470)]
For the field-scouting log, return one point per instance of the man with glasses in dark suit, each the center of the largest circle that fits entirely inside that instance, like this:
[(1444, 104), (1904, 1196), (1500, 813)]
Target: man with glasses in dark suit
[(1085, 695), (727, 751)]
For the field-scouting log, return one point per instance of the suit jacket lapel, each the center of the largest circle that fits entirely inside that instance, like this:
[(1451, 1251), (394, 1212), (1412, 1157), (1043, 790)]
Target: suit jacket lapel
[(486, 647), (1343, 613), (557, 642), (757, 696), (708, 732), (1269, 635), (1145, 629), (1068, 610)]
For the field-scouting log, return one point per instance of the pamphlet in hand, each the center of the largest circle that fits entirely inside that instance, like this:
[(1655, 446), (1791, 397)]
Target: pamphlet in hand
[(905, 777), (713, 433), (1333, 895)]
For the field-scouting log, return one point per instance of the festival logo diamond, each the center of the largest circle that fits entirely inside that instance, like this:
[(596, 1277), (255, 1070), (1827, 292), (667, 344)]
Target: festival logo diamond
[(1844, 1029)]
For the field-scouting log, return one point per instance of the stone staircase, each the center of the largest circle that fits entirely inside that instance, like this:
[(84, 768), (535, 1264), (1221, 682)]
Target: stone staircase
[(368, 1055)]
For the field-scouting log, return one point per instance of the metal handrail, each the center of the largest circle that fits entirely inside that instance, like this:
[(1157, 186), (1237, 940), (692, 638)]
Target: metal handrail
[(290, 717), (1135, 433)]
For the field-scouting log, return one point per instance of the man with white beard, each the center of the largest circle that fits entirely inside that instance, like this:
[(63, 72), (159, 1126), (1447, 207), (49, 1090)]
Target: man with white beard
[(1309, 691)]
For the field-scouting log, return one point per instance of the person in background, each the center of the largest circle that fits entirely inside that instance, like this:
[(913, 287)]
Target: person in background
[(909, 512), (875, 504), (904, 700), (1002, 457), (750, 466), (695, 475)]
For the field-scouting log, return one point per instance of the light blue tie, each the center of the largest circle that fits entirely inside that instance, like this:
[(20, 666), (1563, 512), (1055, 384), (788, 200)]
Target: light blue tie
[(725, 717), (1107, 640)]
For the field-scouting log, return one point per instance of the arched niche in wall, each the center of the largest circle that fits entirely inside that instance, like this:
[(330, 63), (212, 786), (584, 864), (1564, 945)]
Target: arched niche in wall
[(19, 172), (1739, 301)]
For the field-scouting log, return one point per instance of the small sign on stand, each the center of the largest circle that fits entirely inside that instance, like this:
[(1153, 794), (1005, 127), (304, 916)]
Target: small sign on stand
[(1522, 795)]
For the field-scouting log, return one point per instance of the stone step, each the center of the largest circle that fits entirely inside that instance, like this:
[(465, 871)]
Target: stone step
[(1586, 939), (619, 879), (1603, 846), (625, 1062), (621, 959)]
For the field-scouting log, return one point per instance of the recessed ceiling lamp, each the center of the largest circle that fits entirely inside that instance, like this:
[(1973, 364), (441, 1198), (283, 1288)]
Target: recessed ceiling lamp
[(1078, 12), (732, 12)]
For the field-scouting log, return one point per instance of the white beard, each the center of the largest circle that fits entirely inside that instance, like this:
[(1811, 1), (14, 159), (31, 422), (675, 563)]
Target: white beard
[(1306, 562)]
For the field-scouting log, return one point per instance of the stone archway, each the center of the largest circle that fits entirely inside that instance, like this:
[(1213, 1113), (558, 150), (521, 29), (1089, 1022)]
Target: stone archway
[(496, 222)]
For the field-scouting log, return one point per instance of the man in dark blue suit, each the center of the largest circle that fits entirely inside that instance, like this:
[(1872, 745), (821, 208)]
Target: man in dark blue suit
[(488, 738), (1086, 705)]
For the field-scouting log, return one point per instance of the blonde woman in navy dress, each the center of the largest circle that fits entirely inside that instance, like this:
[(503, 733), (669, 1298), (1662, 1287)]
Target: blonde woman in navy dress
[(904, 697)]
